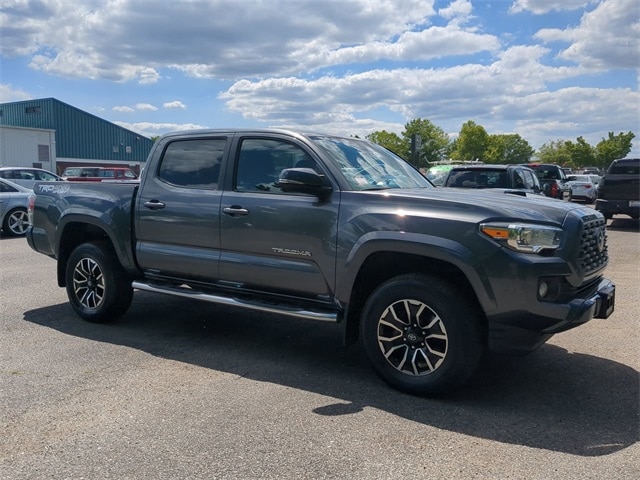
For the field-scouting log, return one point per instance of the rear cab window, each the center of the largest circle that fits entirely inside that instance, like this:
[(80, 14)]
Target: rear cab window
[(192, 163)]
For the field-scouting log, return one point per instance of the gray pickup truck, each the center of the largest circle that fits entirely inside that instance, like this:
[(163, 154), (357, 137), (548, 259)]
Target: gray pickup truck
[(336, 229)]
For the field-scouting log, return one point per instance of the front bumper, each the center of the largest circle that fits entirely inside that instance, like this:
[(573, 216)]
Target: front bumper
[(526, 331)]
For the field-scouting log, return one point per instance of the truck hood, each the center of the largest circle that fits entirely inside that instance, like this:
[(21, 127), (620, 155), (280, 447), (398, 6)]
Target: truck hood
[(482, 205)]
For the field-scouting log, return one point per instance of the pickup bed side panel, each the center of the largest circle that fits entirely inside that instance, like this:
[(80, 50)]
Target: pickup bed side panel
[(103, 207)]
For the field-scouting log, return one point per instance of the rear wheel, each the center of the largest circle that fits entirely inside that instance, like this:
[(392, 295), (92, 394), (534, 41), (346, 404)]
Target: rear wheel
[(421, 334), (98, 288), (16, 222)]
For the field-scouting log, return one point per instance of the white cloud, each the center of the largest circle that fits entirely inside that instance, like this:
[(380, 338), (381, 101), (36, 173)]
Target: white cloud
[(351, 67), (123, 40), (411, 92), (10, 94), (607, 37), (540, 7), (460, 9), (150, 129), (561, 113), (146, 106), (174, 104)]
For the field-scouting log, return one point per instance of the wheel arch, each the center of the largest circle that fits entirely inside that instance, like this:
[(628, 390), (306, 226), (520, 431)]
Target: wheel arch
[(454, 266), (76, 230)]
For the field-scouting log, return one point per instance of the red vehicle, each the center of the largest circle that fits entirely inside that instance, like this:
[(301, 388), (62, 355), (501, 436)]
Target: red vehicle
[(99, 174)]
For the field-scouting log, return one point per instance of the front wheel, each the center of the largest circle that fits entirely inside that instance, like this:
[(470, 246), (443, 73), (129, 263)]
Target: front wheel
[(16, 222), (421, 334), (98, 288)]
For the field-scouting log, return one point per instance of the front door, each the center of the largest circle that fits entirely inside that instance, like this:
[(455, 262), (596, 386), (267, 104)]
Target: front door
[(271, 240)]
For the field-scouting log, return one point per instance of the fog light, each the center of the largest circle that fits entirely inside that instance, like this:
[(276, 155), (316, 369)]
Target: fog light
[(543, 289)]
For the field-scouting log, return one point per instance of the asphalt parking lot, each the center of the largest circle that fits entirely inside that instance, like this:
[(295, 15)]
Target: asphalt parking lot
[(179, 390)]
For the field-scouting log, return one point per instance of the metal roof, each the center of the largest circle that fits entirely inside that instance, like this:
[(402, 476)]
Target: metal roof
[(79, 134)]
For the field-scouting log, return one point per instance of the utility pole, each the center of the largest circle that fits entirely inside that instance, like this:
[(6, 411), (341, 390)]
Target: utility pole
[(416, 145)]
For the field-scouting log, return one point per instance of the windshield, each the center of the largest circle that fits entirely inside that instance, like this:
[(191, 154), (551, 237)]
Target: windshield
[(367, 166)]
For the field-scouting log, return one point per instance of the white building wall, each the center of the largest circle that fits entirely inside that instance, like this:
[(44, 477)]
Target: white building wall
[(27, 147)]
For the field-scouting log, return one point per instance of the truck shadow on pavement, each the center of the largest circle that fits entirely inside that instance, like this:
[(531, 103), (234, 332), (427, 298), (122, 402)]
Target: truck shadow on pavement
[(624, 223), (552, 399)]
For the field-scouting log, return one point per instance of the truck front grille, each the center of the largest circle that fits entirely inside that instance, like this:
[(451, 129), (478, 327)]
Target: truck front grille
[(593, 252)]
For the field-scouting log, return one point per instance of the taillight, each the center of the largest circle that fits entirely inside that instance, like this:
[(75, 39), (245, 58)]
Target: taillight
[(30, 207), (554, 189)]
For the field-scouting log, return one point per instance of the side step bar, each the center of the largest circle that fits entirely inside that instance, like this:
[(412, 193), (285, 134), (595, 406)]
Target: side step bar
[(238, 302)]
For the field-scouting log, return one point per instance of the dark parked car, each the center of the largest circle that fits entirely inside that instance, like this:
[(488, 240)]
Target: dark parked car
[(503, 177), (553, 180), (619, 189)]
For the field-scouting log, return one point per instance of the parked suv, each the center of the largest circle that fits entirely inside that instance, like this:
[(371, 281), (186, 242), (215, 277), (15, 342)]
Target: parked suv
[(553, 180), (619, 189)]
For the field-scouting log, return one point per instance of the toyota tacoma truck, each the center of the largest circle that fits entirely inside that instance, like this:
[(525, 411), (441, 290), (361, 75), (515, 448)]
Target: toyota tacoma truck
[(334, 229)]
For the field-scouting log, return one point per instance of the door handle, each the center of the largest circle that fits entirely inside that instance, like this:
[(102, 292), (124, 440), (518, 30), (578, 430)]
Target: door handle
[(235, 211), (154, 205)]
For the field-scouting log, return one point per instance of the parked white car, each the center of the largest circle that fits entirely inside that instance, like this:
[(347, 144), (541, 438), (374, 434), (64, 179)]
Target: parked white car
[(14, 200), (27, 176), (583, 187)]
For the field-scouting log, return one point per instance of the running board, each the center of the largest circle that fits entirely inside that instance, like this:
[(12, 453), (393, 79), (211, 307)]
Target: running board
[(238, 302)]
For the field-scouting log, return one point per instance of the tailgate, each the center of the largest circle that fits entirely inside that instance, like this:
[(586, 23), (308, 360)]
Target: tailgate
[(620, 187)]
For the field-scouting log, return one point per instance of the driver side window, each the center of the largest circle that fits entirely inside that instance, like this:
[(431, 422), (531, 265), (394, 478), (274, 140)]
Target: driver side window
[(261, 160)]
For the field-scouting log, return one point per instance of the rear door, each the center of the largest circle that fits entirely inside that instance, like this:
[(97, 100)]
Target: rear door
[(271, 240), (178, 210)]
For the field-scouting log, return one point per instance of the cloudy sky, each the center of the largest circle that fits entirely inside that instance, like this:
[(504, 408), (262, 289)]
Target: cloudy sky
[(546, 69)]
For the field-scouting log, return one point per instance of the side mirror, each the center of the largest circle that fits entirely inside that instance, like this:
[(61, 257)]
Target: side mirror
[(304, 180)]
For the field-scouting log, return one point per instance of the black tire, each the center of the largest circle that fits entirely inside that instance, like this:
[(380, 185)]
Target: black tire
[(15, 222), (429, 322), (98, 288)]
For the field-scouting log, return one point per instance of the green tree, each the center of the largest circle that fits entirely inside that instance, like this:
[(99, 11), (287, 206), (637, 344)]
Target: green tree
[(507, 149), (612, 148), (434, 141), (582, 154), (472, 142), (390, 141), (556, 152)]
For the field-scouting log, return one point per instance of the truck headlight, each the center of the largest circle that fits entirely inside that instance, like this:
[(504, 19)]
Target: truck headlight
[(522, 237)]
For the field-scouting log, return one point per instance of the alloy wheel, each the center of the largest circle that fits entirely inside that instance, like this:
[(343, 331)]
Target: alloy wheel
[(18, 222), (412, 337), (88, 283)]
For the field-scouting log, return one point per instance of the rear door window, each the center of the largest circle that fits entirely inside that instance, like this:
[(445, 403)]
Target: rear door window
[(193, 163)]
